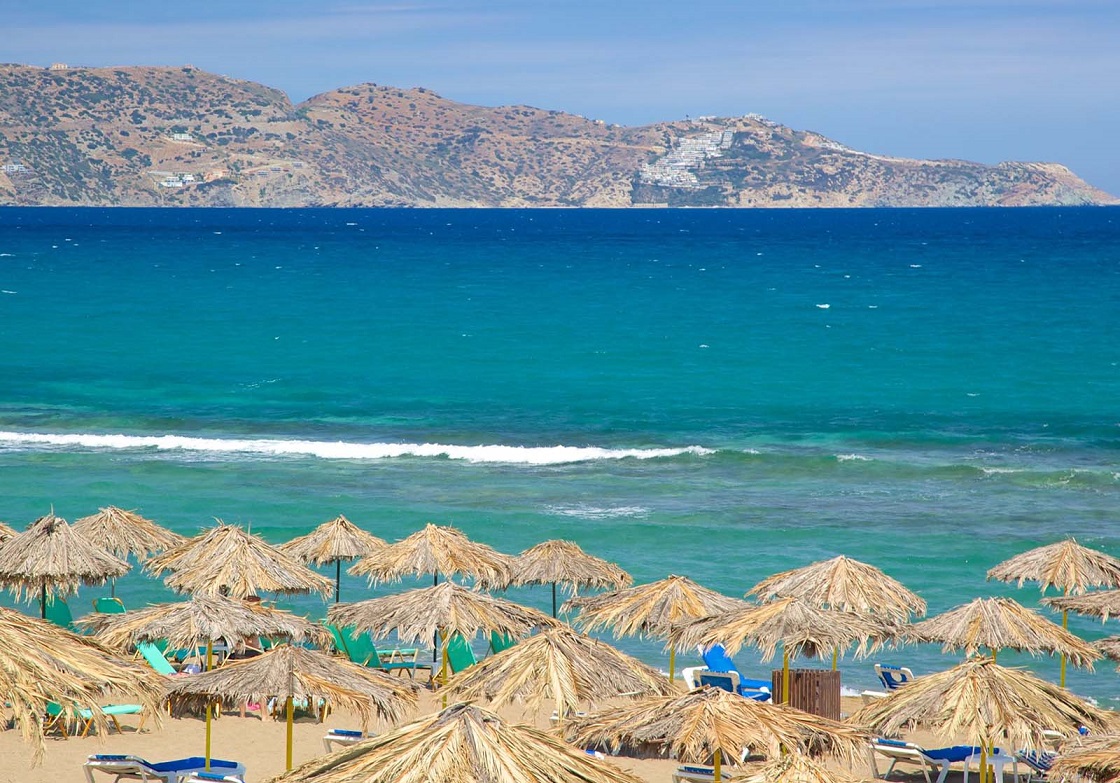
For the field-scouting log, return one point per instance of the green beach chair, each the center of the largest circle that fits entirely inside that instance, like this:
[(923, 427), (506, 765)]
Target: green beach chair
[(108, 606), (58, 612), (460, 654), (500, 642), (155, 658)]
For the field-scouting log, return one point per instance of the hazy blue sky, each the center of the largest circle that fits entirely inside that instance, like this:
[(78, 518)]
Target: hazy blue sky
[(983, 80)]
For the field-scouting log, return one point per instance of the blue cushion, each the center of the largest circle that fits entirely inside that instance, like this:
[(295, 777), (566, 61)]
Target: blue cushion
[(346, 732), (954, 753), (717, 659), (194, 762)]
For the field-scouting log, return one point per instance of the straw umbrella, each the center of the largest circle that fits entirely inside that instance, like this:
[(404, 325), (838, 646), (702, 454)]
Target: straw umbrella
[(1001, 623), (6, 532), (1101, 603), (50, 558), (461, 744), (796, 767), (434, 550), (564, 563), (1066, 565), (42, 663), (295, 673), (709, 723), (1095, 758), (845, 584), (125, 533), (984, 701), (445, 610), (332, 542), (651, 610), (227, 559), (560, 664), (799, 627)]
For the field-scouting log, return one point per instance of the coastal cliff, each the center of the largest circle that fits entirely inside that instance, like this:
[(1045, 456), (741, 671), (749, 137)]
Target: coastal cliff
[(144, 136)]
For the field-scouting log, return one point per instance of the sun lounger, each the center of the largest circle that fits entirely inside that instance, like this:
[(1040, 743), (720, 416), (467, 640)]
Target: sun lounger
[(499, 642), (718, 662), (108, 605), (342, 737), (58, 612), (211, 777), (893, 677), (84, 718), (1038, 762), (900, 752), (125, 767), (460, 654), (759, 690), (694, 773)]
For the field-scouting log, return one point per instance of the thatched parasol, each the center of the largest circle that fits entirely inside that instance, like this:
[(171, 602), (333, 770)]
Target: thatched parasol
[(1001, 623), (799, 627), (981, 700), (202, 619), (1109, 647), (845, 584), (709, 723), (435, 550), (6, 532), (560, 664), (42, 663), (1101, 603), (126, 533), (461, 744), (1066, 565), (228, 559), (652, 610), (50, 558), (796, 767), (296, 673), (1094, 758), (564, 563), (332, 542)]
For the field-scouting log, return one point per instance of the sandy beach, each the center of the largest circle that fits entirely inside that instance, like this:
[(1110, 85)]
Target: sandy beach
[(259, 744)]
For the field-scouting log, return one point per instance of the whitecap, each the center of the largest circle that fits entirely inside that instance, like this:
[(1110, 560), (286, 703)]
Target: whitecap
[(852, 458), (587, 511), (824, 306), (490, 453)]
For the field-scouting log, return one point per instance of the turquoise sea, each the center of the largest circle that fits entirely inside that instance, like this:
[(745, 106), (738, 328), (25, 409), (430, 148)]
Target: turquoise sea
[(720, 394)]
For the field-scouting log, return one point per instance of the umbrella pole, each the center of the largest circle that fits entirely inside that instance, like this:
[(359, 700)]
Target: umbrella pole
[(553, 600), (443, 676), (209, 710), (835, 655), (672, 662), (337, 578), (43, 602), (718, 758), (785, 675), (291, 709)]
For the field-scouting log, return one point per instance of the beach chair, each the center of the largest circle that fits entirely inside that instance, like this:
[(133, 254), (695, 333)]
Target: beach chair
[(729, 681), (361, 650), (893, 677), (717, 661), (108, 605), (212, 777), (58, 612), (155, 658), (500, 642), (460, 654), (83, 718), (127, 767), (1037, 762), (342, 737), (899, 752), (694, 773)]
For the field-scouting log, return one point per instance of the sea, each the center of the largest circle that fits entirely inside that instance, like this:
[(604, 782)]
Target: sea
[(721, 394)]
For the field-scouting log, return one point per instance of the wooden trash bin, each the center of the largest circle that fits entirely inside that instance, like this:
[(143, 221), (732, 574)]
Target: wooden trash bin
[(812, 690)]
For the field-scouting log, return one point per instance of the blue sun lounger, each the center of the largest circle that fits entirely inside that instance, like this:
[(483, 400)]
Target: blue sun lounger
[(720, 666), (900, 752), (125, 767), (342, 737)]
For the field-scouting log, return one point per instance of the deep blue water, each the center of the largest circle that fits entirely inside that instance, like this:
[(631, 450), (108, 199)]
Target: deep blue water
[(723, 394)]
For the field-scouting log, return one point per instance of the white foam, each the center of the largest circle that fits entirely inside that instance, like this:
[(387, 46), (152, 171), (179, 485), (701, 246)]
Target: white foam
[(585, 511), (852, 458), (526, 455)]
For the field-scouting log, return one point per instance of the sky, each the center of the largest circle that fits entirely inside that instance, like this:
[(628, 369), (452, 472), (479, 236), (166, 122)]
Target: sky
[(980, 80)]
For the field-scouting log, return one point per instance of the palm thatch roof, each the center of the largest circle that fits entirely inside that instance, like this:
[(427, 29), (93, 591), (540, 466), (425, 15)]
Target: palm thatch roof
[(998, 624), (226, 558), (6, 532), (560, 665), (461, 744), (447, 608), (1093, 758), (652, 609), (564, 563), (125, 533), (291, 670), (1099, 603), (796, 767), (981, 700), (435, 550), (693, 726), (845, 584), (800, 628), (49, 557), (1110, 648), (1066, 565), (335, 540), (203, 618), (40, 663)]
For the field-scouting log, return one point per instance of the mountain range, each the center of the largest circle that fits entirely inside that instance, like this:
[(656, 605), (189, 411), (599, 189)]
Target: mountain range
[(150, 136)]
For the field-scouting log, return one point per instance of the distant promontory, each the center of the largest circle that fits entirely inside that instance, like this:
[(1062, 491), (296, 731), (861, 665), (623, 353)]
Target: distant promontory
[(160, 136)]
